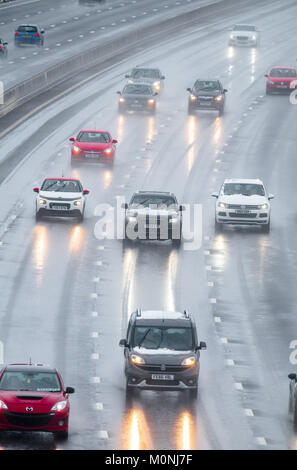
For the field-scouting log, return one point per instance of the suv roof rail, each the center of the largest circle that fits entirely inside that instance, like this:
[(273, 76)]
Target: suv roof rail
[(186, 313), (138, 312)]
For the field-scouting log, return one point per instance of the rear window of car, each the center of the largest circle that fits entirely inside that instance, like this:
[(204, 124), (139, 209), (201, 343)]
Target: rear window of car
[(69, 186), (27, 29), (30, 381), (141, 200), (137, 89), (283, 73), (96, 137)]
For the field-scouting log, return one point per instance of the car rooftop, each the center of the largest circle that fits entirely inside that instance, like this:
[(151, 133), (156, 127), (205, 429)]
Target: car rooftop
[(243, 180), (159, 317), (91, 130), (26, 367), (63, 179)]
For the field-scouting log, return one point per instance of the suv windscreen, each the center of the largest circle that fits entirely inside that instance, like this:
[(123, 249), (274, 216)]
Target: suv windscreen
[(243, 189), (201, 85), (145, 73), (171, 338), (30, 381), (133, 89), (150, 200)]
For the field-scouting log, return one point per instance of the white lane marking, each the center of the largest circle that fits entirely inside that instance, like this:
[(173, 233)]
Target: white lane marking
[(261, 441), (1, 352), (213, 300), (230, 362), (94, 295), (94, 314), (98, 263), (95, 356), (103, 434), (206, 252), (101, 247), (94, 334), (95, 380), (217, 320), (96, 279), (210, 284), (208, 268), (248, 412), (98, 406), (238, 386), (224, 340)]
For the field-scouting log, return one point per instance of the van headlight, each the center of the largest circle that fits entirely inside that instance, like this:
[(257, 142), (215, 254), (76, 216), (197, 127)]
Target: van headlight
[(263, 206), (77, 203), (42, 202), (137, 359), (189, 361)]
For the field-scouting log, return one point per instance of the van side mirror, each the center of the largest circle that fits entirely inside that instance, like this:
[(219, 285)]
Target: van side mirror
[(124, 205), (225, 90), (270, 196), (215, 194), (119, 93), (202, 345), (123, 343), (189, 89), (292, 376), (127, 76)]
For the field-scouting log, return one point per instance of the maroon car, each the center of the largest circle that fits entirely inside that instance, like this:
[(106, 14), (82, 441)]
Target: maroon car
[(279, 80), (33, 398), (93, 146)]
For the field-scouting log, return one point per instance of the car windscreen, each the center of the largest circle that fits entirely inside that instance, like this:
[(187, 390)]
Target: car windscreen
[(27, 29), (152, 201), (133, 89), (154, 337), (244, 189), (30, 381), (145, 73), (69, 186), (244, 27), (95, 137), (283, 73), (208, 85)]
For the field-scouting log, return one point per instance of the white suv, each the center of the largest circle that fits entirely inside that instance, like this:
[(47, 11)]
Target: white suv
[(61, 197), (244, 202)]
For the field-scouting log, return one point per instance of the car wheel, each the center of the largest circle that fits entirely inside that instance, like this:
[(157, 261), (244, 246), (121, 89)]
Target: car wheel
[(290, 405), (218, 227), (190, 110), (193, 393), (121, 110), (61, 435), (266, 227), (38, 216), (176, 242), (221, 111), (80, 217), (268, 92)]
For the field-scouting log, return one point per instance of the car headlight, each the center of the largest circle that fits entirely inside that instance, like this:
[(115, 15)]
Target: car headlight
[(137, 359), (151, 101), (173, 219), (189, 361), (271, 82), (122, 100), (222, 205), (263, 206), (3, 406), (108, 151), (130, 81), (193, 97), (42, 201), (219, 98), (77, 203), (76, 149), (156, 85), (132, 218), (61, 405), (231, 36), (254, 38)]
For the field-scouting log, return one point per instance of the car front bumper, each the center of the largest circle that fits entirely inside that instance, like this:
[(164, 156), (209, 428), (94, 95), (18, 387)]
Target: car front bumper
[(252, 217), (47, 422)]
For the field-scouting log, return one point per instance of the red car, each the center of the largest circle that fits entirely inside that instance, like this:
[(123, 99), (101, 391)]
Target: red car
[(279, 80), (33, 398), (93, 146)]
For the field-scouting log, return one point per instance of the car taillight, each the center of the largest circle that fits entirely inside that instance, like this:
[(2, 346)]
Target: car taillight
[(0, 48), (17, 34), (37, 35)]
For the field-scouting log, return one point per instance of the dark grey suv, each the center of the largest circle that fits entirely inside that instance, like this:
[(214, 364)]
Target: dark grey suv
[(153, 215), (137, 97), (207, 94), (162, 352)]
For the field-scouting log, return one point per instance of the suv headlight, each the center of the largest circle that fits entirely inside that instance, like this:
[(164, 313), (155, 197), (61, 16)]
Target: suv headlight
[(222, 205), (76, 149), (189, 361), (3, 406), (61, 405), (77, 203), (219, 98), (263, 206), (193, 97), (137, 359)]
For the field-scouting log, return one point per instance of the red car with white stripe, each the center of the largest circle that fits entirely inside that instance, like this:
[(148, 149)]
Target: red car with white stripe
[(93, 146)]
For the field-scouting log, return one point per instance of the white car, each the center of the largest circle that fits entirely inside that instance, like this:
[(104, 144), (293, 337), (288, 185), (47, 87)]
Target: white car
[(61, 197), (243, 202), (244, 35)]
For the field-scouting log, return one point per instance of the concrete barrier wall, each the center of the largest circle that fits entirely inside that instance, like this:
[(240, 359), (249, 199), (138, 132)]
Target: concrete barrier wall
[(39, 83)]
